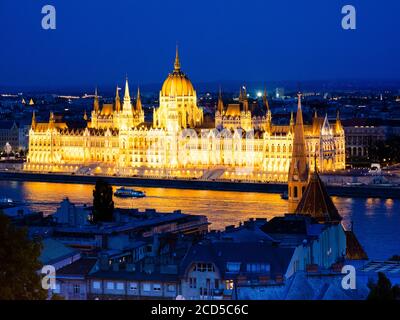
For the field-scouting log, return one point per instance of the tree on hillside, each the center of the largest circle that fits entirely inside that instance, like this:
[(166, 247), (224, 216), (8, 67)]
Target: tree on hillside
[(103, 204), (383, 290), (19, 277)]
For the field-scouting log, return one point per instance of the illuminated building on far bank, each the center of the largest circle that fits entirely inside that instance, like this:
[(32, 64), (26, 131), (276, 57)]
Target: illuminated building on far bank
[(239, 146)]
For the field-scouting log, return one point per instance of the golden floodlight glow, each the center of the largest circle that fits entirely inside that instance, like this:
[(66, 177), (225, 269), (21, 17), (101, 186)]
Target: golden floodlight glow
[(242, 144)]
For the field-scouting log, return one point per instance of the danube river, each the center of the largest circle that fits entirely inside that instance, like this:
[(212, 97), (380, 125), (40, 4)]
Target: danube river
[(376, 221)]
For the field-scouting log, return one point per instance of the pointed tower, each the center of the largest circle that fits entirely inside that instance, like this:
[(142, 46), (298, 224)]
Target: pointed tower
[(338, 125), (298, 170), (117, 101), (126, 116), (126, 107), (33, 124), (315, 124), (85, 117), (96, 105), (240, 95), (268, 111), (138, 101), (326, 127), (291, 122), (51, 120), (317, 202), (177, 64), (245, 100), (220, 106), (265, 101)]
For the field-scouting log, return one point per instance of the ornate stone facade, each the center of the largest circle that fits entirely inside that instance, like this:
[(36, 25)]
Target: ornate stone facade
[(242, 145)]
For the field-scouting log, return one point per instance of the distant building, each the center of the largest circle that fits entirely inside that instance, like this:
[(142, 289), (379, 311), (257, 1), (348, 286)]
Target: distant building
[(17, 135), (73, 230), (218, 270), (104, 285), (69, 214), (71, 280), (363, 133), (57, 254), (242, 144), (9, 133), (24, 136)]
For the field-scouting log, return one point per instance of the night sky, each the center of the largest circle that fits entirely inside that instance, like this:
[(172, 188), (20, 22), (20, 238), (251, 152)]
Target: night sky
[(98, 42)]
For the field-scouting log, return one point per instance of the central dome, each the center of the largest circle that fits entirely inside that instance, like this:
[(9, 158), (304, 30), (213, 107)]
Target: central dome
[(177, 83)]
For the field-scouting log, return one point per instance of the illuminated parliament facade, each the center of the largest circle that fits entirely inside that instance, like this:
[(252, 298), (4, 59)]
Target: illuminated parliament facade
[(239, 145)]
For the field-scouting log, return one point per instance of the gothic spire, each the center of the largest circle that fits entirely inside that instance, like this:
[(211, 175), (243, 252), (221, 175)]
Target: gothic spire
[(33, 125), (138, 101), (220, 106), (245, 100), (291, 119), (51, 120), (298, 170), (265, 100), (338, 124), (127, 97), (117, 101), (299, 159), (96, 105)]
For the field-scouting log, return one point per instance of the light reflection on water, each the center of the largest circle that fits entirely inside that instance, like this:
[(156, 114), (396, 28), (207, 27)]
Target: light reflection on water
[(376, 221)]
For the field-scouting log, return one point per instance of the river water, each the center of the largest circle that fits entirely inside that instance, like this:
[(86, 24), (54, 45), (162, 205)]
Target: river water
[(376, 221)]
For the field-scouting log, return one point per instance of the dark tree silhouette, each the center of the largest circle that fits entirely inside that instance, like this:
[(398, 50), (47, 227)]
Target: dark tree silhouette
[(19, 266), (383, 290), (103, 204)]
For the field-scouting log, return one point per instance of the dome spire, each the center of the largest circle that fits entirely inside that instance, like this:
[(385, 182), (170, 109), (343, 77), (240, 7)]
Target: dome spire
[(177, 64)]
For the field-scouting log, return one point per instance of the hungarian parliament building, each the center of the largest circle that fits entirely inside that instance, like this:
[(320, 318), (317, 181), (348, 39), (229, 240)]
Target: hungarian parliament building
[(239, 144)]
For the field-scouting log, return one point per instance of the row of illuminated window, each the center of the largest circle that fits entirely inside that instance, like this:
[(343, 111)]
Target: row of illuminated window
[(204, 267), (234, 267), (209, 283), (132, 286)]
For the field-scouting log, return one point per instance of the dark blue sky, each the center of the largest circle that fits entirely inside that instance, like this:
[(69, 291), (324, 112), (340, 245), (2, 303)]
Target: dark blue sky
[(98, 42)]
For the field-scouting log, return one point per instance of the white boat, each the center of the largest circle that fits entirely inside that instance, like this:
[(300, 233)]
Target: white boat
[(6, 202), (129, 193)]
